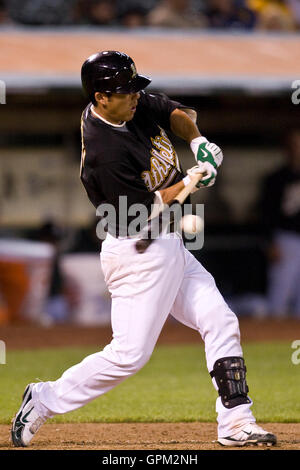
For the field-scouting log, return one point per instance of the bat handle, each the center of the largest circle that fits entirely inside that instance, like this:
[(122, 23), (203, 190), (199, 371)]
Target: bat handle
[(142, 244)]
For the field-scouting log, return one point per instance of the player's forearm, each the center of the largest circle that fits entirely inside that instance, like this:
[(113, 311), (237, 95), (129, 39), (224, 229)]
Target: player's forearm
[(170, 193), (183, 126)]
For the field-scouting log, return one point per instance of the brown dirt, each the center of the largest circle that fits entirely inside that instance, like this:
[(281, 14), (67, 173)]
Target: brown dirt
[(146, 436), (142, 436)]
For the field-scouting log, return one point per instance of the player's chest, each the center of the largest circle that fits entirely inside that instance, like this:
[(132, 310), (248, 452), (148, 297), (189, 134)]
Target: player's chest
[(155, 158)]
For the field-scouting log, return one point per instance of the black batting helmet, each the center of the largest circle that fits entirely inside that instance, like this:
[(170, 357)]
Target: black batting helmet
[(111, 72)]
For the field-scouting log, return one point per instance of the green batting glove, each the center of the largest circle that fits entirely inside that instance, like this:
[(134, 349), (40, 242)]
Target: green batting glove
[(205, 151), (208, 170)]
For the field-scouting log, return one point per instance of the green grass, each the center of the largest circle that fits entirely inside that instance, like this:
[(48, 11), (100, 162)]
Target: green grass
[(174, 386)]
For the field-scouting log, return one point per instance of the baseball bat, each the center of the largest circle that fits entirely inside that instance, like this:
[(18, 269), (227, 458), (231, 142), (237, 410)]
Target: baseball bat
[(142, 244)]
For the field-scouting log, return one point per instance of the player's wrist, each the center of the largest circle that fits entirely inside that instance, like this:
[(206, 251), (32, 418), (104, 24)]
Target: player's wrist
[(206, 151), (194, 144), (186, 180), (209, 174)]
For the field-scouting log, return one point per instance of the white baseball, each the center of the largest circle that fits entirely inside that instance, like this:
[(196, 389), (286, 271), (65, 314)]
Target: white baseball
[(191, 223)]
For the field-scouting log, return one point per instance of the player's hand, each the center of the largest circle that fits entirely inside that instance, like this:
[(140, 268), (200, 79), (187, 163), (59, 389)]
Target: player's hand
[(205, 151), (208, 171), (209, 175)]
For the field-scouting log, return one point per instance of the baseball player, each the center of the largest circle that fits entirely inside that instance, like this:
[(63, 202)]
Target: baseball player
[(126, 151)]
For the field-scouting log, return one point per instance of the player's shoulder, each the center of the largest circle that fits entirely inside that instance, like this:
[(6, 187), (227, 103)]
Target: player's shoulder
[(89, 122), (85, 112), (86, 115), (147, 98), (101, 144), (157, 102), (94, 129)]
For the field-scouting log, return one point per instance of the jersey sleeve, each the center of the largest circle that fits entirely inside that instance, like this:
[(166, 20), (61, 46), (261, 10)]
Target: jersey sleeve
[(160, 106)]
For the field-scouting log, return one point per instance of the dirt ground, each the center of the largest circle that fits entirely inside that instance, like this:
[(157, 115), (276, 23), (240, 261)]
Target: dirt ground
[(141, 436)]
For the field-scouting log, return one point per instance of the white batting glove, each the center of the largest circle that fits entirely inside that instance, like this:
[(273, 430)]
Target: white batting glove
[(206, 181), (209, 172)]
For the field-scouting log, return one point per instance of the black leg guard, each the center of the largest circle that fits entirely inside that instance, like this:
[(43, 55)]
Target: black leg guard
[(230, 376)]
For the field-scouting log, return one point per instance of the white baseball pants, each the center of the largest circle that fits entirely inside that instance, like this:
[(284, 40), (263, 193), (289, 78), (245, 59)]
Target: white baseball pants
[(145, 288)]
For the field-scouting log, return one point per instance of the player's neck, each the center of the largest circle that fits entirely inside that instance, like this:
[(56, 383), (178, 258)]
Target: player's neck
[(101, 114)]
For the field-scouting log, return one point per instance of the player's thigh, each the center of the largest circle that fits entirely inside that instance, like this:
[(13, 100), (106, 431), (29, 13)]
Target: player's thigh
[(200, 305), (199, 302), (143, 289)]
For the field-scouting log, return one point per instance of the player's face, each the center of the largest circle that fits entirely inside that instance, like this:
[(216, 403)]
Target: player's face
[(119, 107)]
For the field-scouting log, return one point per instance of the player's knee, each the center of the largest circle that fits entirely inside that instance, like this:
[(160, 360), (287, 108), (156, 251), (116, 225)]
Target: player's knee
[(222, 321), (136, 360), (129, 360)]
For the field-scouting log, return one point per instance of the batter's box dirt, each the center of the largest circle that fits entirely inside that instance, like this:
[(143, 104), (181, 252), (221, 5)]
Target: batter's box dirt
[(143, 436)]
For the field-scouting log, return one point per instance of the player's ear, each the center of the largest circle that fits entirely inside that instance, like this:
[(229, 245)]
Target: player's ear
[(101, 98)]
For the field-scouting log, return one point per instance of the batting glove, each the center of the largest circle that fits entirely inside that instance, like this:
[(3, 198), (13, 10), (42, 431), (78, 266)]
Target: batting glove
[(205, 151), (208, 170)]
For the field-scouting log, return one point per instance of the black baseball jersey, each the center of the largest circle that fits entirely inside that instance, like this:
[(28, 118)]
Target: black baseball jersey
[(134, 160)]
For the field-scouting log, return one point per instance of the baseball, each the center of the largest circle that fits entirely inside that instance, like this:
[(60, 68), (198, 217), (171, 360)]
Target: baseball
[(191, 224)]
